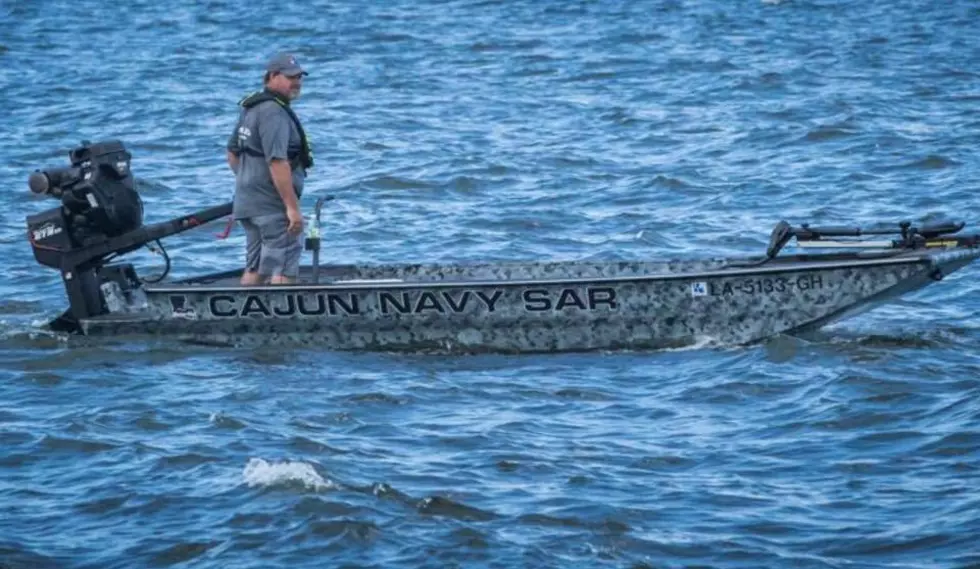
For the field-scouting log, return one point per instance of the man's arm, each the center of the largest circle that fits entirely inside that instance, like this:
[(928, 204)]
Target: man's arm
[(274, 137), (233, 146), (282, 177), (232, 161)]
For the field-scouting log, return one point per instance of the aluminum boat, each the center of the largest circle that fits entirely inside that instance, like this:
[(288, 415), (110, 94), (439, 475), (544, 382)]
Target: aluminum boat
[(534, 306)]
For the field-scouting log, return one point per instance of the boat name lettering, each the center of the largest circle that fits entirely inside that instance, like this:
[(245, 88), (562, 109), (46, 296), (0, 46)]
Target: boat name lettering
[(540, 300), (767, 285), (444, 301), (288, 304)]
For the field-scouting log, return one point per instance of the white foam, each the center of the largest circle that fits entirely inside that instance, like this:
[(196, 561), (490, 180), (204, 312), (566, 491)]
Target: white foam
[(259, 472)]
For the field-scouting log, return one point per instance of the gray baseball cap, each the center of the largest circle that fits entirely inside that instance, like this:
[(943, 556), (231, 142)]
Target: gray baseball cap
[(286, 64)]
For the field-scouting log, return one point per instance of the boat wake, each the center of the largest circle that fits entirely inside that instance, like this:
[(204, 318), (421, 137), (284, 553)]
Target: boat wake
[(934, 337), (17, 335)]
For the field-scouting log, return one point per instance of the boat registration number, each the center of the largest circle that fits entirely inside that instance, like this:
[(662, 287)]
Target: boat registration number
[(759, 285)]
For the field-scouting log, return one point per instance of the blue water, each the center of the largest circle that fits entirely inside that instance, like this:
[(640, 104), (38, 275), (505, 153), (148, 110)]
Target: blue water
[(476, 130)]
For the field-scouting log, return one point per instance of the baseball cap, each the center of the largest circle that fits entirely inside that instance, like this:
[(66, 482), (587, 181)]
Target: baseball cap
[(286, 64)]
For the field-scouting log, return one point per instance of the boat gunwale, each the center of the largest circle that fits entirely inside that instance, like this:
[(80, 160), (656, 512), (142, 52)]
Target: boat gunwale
[(188, 286)]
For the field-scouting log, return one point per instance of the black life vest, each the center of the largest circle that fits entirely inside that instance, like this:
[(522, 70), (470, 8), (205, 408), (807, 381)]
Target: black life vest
[(305, 155)]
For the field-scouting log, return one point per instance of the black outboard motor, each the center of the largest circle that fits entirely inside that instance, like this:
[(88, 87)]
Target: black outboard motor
[(100, 216), (98, 201)]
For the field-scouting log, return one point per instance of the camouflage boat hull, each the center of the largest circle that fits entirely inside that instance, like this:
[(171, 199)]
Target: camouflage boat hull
[(510, 307), (533, 307)]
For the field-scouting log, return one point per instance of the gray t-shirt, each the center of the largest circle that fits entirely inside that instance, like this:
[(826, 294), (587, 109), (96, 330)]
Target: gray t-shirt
[(262, 133)]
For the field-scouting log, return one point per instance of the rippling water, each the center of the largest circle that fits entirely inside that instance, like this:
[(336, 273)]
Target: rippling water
[(473, 130)]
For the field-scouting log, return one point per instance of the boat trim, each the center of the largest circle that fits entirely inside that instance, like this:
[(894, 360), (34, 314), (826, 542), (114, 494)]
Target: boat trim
[(190, 287)]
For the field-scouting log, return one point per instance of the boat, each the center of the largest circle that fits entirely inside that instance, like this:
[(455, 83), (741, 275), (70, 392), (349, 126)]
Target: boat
[(508, 307)]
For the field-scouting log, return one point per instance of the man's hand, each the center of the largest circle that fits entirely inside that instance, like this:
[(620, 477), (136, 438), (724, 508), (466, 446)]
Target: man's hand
[(295, 220), (283, 180)]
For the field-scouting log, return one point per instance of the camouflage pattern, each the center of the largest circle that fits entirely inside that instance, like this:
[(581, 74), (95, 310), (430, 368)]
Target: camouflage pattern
[(528, 307)]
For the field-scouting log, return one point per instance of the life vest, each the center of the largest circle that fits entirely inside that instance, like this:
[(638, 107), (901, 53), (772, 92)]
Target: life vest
[(305, 155)]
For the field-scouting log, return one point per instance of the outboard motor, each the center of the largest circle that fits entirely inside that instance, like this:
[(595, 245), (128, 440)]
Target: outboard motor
[(98, 201), (100, 216)]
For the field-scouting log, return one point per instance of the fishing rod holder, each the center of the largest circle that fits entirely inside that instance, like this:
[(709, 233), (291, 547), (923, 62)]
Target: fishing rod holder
[(312, 242), (908, 236), (906, 231)]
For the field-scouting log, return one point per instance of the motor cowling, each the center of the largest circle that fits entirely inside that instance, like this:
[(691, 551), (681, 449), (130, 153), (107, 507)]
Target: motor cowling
[(98, 199)]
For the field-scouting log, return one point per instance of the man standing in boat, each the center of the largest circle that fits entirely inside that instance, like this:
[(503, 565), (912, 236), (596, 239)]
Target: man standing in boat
[(269, 153)]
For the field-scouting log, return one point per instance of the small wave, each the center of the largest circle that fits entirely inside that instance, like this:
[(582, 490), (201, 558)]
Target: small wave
[(307, 445), (314, 506), (620, 116), (386, 492), (665, 462), (699, 343), (439, 506), (182, 552), (18, 460), (592, 76), (879, 340), (374, 146), (669, 183), (481, 47), (102, 505), (148, 422), (395, 183), (45, 378), (358, 530), (464, 184), (764, 81), (186, 460), (21, 307), (581, 394), (79, 445), (953, 445), (606, 526), (16, 555), (251, 520), (771, 78), (382, 37), (470, 538), (261, 473), (375, 397), (897, 545), (884, 438), (223, 421), (150, 187), (932, 162), (825, 133), (13, 339)]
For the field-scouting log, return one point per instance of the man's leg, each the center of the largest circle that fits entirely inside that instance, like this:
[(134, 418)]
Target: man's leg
[(251, 278), (281, 251), (253, 254)]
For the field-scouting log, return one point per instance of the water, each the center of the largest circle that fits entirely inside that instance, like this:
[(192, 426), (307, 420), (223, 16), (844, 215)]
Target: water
[(467, 130)]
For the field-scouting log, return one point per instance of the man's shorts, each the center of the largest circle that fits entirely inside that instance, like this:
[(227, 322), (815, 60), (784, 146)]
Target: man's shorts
[(269, 248)]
